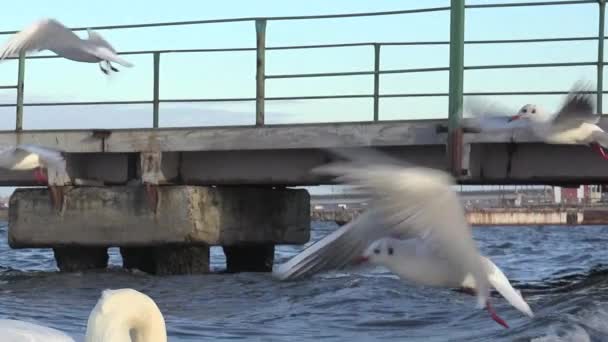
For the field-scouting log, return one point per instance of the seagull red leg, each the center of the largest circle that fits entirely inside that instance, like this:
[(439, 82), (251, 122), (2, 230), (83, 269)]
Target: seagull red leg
[(40, 176), (599, 149), (495, 316), (152, 194)]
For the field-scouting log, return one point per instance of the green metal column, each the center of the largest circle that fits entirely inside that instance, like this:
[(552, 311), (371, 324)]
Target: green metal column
[(454, 148), (260, 90), (20, 89), (600, 56), (156, 90), (376, 81)]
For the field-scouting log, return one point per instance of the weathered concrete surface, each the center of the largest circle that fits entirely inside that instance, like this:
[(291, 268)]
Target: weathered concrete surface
[(248, 258), (167, 260), (76, 259), (121, 216)]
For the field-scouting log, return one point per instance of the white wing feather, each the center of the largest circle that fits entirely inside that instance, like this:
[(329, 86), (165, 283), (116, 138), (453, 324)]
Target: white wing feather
[(44, 34), (50, 157), (501, 283)]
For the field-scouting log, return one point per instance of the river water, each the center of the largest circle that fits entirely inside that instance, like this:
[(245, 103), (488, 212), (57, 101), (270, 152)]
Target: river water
[(560, 271)]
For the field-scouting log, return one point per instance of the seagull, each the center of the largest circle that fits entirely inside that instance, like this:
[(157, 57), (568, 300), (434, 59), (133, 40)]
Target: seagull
[(408, 202), (575, 123), (50, 34), (32, 157), (417, 261)]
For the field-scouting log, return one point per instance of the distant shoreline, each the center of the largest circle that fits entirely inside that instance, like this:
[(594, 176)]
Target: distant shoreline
[(545, 215)]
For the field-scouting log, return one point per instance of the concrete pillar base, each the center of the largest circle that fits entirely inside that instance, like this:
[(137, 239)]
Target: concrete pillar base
[(249, 258), (167, 260), (76, 259)]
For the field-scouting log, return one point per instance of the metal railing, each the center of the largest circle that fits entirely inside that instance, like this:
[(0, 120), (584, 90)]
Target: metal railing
[(455, 69)]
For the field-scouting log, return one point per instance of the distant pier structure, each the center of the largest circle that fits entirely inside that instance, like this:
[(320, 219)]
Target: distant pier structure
[(164, 195)]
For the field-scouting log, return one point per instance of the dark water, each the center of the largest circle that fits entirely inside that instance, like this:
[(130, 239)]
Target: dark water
[(558, 269)]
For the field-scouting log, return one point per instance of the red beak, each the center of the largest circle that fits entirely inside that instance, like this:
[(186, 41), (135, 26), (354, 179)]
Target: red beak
[(515, 117), (360, 260)]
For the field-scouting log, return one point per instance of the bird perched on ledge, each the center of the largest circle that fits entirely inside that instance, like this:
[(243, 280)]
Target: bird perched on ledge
[(575, 123), (50, 34)]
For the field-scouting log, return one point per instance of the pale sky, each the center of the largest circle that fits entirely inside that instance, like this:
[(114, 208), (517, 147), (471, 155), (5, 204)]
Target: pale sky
[(232, 74)]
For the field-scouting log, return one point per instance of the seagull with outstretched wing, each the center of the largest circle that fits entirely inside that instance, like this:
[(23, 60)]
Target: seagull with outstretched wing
[(50, 34)]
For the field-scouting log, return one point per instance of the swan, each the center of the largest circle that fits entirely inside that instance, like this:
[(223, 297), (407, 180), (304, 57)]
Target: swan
[(121, 315), (50, 34)]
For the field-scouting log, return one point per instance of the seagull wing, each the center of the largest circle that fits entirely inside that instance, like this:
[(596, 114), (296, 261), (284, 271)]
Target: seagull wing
[(44, 34), (413, 201), (52, 158), (578, 108), (104, 50), (503, 286)]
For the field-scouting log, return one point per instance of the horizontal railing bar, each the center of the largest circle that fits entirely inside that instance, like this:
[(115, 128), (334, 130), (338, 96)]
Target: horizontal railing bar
[(8, 87), (402, 71), (84, 103), (321, 46), (530, 65), (529, 4), (311, 97), (231, 20)]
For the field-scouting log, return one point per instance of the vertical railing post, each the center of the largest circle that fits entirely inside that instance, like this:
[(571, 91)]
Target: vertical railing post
[(456, 81), (260, 91), (376, 80), (20, 89), (155, 99), (600, 56)]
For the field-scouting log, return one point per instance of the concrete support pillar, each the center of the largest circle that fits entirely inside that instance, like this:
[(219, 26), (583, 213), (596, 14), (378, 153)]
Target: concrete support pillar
[(167, 260), (76, 259), (249, 258)]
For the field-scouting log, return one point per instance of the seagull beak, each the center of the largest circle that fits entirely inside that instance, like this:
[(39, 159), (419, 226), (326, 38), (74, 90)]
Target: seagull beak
[(360, 260), (514, 117)]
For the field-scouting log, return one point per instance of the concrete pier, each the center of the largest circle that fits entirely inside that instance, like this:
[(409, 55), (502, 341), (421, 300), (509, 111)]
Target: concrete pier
[(174, 238)]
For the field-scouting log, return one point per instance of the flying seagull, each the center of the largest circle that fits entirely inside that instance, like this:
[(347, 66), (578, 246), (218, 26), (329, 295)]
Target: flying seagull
[(50, 34), (575, 123), (416, 260), (408, 202)]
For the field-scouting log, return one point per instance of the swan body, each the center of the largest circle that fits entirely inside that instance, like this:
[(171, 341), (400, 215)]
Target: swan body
[(123, 315)]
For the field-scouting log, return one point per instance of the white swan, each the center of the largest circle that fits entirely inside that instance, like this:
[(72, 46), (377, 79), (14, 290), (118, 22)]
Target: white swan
[(50, 34), (122, 315), (32, 157)]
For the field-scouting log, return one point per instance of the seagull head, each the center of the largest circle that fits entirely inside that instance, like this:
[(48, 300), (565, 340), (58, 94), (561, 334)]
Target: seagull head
[(528, 112), (378, 252)]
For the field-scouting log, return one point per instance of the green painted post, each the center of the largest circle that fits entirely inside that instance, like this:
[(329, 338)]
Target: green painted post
[(260, 91), (454, 148), (155, 100), (600, 57), (20, 88), (376, 81)]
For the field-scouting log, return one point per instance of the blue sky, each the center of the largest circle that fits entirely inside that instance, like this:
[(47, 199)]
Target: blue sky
[(205, 75)]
